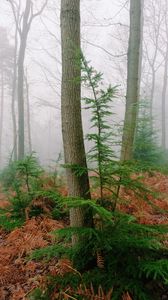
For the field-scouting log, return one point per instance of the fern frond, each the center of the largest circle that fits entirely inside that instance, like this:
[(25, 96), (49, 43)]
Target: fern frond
[(158, 269)]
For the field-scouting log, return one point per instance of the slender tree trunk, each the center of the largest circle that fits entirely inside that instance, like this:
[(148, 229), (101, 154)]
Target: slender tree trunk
[(140, 64), (133, 65), (152, 91), (21, 57), (14, 83), (21, 104), (1, 114), (141, 47), (23, 22), (165, 81), (74, 151), (28, 115), (157, 24)]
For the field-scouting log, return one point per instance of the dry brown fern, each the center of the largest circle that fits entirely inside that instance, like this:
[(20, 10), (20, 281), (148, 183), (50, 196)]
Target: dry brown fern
[(19, 294), (16, 274), (34, 235), (63, 267), (25, 242), (11, 275), (126, 296), (44, 203), (2, 293), (100, 260), (7, 254), (49, 224), (90, 294)]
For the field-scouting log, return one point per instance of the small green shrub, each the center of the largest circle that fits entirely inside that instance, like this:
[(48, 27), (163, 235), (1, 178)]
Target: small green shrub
[(147, 152), (23, 181), (109, 173), (22, 174), (10, 223), (38, 294), (133, 257)]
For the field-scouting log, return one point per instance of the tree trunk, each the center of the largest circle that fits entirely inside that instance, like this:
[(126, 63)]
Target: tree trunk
[(165, 81), (74, 151), (21, 56), (14, 83), (133, 66), (1, 115), (23, 22), (141, 47), (28, 115)]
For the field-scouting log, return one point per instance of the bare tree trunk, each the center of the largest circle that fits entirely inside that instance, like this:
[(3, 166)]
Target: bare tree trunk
[(14, 83), (152, 91), (165, 80), (21, 56), (74, 151), (141, 47), (28, 115), (23, 24), (133, 65), (1, 114), (164, 104), (156, 21)]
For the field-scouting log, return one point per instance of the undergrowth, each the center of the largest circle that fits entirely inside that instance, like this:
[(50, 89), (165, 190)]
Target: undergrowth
[(117, 256), (25, 186), (117, 253), (147, 152), (108, 173)]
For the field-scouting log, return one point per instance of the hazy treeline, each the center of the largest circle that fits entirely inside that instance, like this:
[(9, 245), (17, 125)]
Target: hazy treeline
[(35, 43)]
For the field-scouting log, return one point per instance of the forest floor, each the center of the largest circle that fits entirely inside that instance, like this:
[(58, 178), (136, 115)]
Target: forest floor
[(19, 276), (146, 212)]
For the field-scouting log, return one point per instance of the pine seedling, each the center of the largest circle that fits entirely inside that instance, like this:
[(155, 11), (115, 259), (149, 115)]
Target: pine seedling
[(146, 150), (22, 178), (101, 152)]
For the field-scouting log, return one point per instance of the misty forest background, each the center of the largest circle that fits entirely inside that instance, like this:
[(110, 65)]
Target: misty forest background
[(105, 33)]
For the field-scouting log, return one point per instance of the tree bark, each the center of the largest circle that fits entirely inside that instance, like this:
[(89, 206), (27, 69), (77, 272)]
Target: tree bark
[(23, 23), (74, 151), (28, 115), (141, 47), (133, 67), (155, 18), (165, 81), (1, 114), (21, 57), (14, 83)]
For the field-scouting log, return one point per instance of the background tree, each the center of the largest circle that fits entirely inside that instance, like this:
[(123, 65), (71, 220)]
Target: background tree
[(146, 150), (23, 27), (164, 53), (14, 81), (74, 151), (14, 92), (6, 55), (28, 113), (133, 66), (154, 22)]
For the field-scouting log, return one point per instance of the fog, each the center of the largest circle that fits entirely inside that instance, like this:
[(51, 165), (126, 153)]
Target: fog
[(105, 31)]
